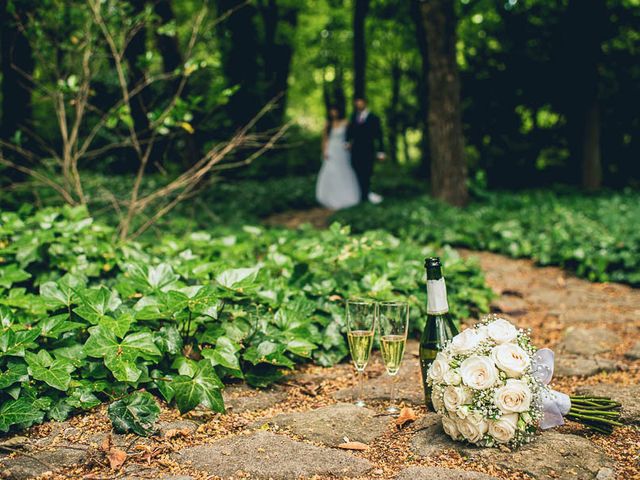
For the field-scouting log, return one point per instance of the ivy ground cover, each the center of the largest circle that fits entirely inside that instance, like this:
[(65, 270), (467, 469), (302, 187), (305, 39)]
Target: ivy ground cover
[(85, 321), (595, 236)]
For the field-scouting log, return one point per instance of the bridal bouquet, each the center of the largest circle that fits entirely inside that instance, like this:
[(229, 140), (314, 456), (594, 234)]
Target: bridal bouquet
[(490, 385)]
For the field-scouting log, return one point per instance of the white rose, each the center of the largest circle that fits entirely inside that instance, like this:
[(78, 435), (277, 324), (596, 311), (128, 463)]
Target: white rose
[(504, 429), (511, 359), (473, 427), (502, 331), (464, 342), (513, 397), (439, 368), (452, 377), (463, 412), (455, 397), (478, 372), (450, 427), (483, 333)]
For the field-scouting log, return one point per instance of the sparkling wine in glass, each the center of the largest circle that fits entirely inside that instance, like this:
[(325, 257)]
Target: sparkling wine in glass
[(361, 323), (393, 319)]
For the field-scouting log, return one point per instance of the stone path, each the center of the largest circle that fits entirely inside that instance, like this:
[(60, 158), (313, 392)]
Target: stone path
[(294, 430)]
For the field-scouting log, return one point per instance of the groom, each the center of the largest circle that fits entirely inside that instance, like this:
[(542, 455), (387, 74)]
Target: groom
[(364, 139)]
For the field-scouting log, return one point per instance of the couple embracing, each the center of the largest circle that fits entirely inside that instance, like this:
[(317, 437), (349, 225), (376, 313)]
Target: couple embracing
[(349, 149)]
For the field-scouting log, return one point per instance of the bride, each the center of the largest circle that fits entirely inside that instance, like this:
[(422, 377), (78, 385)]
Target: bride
[(337, 186)]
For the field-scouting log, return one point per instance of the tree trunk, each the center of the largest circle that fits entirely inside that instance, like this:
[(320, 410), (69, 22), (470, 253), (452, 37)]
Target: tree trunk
[(361, 8), (392, 117), (448, 165), (277, 56), (591, 164), (422, 87), (17, 65), (580, 52)]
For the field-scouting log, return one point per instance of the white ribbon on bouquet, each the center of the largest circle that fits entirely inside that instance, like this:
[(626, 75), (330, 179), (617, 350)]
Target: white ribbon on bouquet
[(555, 405)]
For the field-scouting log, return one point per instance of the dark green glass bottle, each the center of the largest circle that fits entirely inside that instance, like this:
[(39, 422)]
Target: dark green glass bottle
[(439, 327)]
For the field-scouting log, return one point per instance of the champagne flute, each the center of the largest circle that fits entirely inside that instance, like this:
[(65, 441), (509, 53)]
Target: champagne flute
[(361, 323), (393, 318)]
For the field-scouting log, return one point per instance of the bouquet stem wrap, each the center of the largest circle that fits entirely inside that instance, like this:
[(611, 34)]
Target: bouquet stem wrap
[(597, 413)]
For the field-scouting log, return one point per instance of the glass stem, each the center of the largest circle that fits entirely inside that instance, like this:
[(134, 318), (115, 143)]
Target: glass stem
[(360, 386), (392, 395)]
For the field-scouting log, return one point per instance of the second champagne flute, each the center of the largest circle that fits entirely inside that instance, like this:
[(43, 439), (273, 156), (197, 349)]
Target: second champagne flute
[(393, 318), (361, 324)]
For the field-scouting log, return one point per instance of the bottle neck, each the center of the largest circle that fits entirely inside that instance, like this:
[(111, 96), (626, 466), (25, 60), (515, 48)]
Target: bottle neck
[(436, 292)]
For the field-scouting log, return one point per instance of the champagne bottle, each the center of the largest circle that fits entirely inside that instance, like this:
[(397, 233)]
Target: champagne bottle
[(439, 327)]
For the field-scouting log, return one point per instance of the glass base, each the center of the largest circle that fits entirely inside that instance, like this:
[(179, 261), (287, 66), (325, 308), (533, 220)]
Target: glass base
[(392, 409)]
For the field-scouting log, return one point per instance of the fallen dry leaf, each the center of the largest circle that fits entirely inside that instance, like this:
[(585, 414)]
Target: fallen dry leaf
[(105, 446), (116, 458), (333, 298), (354, 446), (177, 432), (406, 415)]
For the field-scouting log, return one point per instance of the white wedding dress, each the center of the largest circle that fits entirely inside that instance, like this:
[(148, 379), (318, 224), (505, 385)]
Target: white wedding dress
[(337, 186)]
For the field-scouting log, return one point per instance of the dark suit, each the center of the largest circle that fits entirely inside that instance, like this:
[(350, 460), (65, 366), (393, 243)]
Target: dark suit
[(366, 140)]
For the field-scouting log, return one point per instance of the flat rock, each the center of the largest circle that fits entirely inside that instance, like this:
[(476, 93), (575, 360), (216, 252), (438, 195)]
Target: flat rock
[(38, 463), (581, 341), (438, 473), (511, 305), (634, 352), (576, 365), (330, 425), (408, 386), (266, 455), (551, 455), (184, 425), (627, 395), (241, 398)]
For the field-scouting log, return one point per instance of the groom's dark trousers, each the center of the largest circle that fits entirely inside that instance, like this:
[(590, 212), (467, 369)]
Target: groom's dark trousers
[(366, 140)]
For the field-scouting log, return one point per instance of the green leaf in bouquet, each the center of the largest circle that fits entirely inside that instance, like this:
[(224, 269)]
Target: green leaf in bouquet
[(137, 413), (95, 303), (225, 354), (14, 373), (204, 388), (55, 373), (11, 274), (238, 278), (18, 412)]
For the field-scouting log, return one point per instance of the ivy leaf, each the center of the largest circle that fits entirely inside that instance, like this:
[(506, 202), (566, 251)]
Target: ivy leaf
[(120, 356), (18, 412), (12, 274), (205, 388), (238, 278), (135, 413), (55, 373), (96, 303), (268, 351), (63, 292), (148, 279), (15, 373), (120, 325), (169, 340), (56, 325), (16, 343), (6, 317), (225, 354)]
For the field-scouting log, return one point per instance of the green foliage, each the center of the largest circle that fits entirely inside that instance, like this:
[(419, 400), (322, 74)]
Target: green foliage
[(597, 237), (135, 413), (89, 320)]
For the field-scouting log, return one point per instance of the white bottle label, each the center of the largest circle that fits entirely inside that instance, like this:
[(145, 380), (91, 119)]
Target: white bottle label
[(437, 297)]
